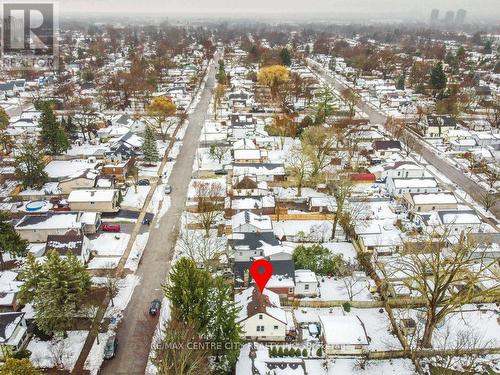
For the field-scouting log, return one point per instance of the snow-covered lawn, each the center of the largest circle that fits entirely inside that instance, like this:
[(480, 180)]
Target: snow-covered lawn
[(65, 352), (348, 366), (133, 199), (337, 289), (344, 366), (126, 286), (103, 263), (110, 244), (137, 251), (96, 356)]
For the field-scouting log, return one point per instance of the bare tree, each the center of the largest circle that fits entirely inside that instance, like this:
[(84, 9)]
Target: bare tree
[(488, 200), (318, 141), (112, 288), (209, 198), (351, 100), (353, 286), (59, 352), (447, 276), (340, 189), (206, 250), (299, 166)]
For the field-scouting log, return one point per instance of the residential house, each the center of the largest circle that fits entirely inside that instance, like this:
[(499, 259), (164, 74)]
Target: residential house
[(249, 222), (264, 172), (263, 205), (242, 125), (36, 228), (95, 200), (400, 186), (424, 202), (435, 126), (83, 180), (343, 335), (306, 284), (261, 316), (384, 149), (73, 242)]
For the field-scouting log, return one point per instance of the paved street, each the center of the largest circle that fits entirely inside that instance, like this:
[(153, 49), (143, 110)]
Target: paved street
[(137, 328), (468, 185)]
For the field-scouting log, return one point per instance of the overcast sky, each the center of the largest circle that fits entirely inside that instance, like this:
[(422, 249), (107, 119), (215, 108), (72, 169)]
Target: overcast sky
[(476, 9)]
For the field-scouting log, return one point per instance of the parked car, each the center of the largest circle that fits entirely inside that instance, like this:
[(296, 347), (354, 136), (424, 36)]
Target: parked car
[(111, 347), (143, 182), (220, 172), (111, 227), (170, 158), (154, 307), (168, 189)]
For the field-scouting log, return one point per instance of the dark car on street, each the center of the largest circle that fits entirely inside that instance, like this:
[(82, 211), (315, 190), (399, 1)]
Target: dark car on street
[(154, 307), (143, 182), (111, 347)]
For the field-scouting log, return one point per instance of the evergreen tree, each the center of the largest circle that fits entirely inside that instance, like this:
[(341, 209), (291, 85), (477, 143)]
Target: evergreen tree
[(438, 77), (286, 57), (188, 291), (52, 136), (4, 119), (56, 289), (222, 327), (400, 84), (149, 148), (488, 47), (207, 302), (70, 127), (10, 241), (30, 166)]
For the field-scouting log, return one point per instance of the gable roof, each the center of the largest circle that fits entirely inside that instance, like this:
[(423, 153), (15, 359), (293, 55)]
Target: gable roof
[(386, 145), (63, 244)]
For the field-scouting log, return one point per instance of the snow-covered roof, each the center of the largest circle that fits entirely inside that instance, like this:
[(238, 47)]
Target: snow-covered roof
[(434, 198), (94, 195), (261, 222), (305, 276), (343, 330)]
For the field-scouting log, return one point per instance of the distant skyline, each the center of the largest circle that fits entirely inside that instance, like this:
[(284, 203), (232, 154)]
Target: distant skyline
[(477, 10)]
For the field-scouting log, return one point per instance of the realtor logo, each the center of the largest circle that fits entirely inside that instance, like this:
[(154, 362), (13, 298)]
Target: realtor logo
[(28, 34)]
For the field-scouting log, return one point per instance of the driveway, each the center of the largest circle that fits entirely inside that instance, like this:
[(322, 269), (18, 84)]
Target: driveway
[(137, 328), (442, 165)]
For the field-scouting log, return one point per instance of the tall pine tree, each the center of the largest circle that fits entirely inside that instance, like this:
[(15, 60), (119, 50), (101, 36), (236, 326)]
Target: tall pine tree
[(56, 288), (30, 166), (149, 148), (10, 241), (197, 297), (438, 77), (52, 135)]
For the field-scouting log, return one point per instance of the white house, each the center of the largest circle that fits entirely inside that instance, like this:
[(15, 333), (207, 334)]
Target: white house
[(248, 222), (261, 316), (343, 335), (95, 200), (399, 186), (306, 283)]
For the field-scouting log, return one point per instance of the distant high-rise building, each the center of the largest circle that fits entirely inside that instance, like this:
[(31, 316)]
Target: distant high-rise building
[(434, 16), (461, 15), (449, 17)]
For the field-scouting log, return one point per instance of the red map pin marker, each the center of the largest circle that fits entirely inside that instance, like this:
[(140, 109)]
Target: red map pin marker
[(261, 271)]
